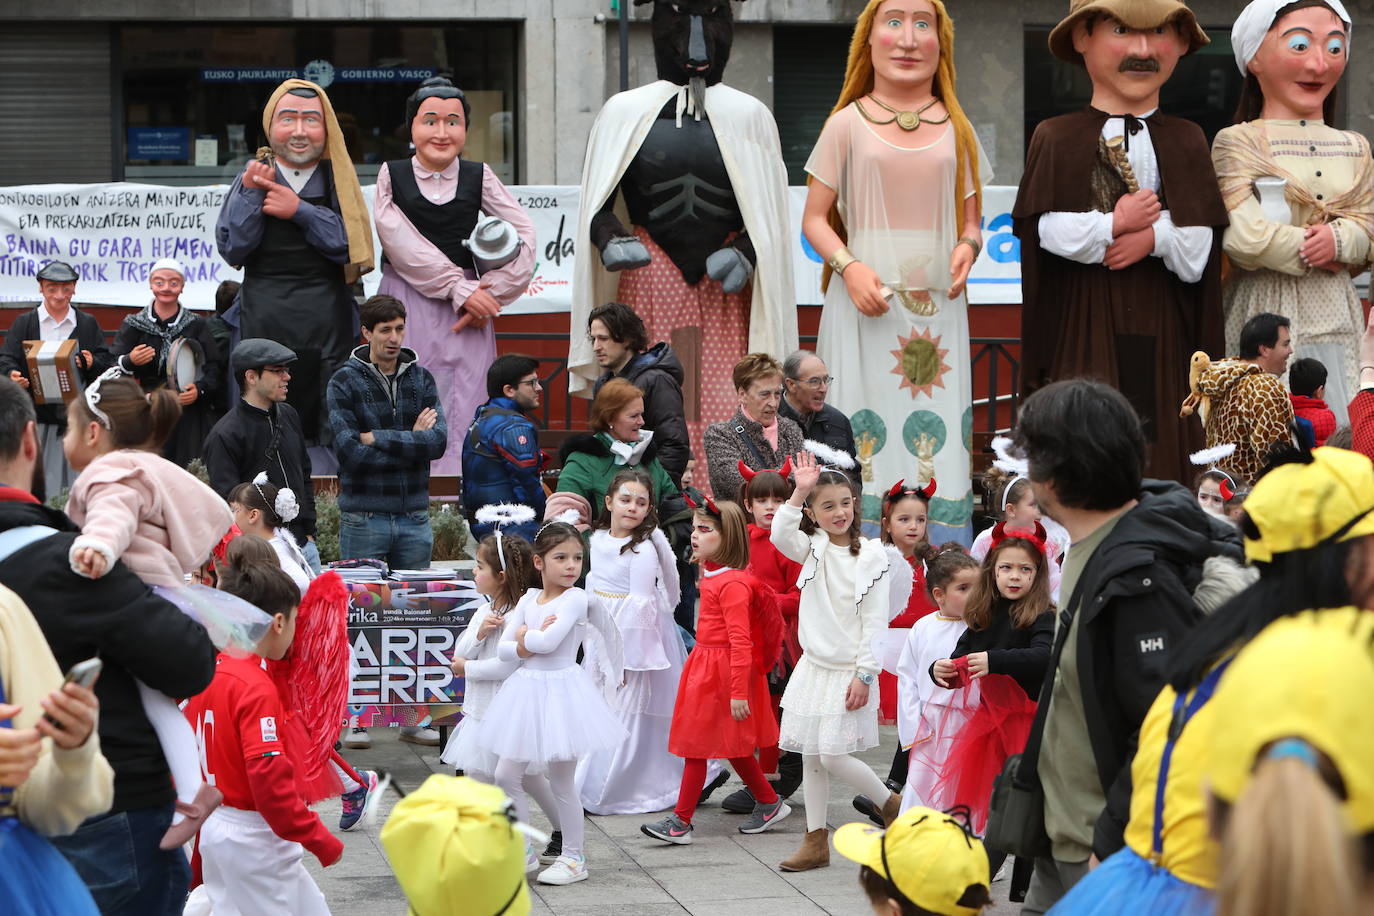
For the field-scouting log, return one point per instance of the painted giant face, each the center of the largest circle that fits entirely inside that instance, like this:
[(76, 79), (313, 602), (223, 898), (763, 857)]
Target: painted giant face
[(1300, 62), (439, 132), (691, 38), (905, 42), (298, 136), (1134, 63)]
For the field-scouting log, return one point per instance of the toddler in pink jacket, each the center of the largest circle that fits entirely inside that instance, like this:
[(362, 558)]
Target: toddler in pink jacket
[(133, 505)]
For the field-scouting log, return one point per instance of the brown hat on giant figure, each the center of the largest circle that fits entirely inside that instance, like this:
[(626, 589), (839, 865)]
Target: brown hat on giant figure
[(1138, 14)]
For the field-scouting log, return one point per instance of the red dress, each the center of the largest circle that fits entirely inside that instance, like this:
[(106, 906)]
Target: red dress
[(725, 663), (918, 605), (778, 574)]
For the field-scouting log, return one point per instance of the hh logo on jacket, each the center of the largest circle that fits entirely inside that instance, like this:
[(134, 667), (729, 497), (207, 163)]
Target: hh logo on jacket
[(1151, 643)]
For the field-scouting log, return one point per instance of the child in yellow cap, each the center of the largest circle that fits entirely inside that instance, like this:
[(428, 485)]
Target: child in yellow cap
[(456, 849), (927, 863)]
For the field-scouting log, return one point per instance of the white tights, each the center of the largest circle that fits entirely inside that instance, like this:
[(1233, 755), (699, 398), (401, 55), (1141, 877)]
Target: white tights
[(536, 786), (816, 773), (510, 776), (178, 743)]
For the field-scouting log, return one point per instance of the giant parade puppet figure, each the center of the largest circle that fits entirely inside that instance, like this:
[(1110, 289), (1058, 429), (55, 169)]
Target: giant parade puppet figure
[(696, 168), (1117, 212), (1300, 192), (296, 221), (894, 206), (427, 208)]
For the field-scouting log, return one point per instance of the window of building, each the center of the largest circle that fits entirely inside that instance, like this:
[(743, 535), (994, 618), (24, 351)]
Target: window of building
[(1205, 87), (808, 71), (192, 96)]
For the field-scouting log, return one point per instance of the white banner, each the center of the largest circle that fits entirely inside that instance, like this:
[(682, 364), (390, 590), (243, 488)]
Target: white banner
[(112, 233)]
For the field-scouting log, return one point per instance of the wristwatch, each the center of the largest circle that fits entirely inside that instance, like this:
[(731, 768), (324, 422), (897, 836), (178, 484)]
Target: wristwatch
[(866, 679)]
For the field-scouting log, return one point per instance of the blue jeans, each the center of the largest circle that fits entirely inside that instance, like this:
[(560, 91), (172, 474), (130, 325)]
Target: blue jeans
[(117, 856), (312, 555), (403, 539)]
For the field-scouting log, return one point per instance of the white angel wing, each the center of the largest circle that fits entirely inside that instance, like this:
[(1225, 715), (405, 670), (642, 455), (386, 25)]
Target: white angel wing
[(604, 650), (900, 582)]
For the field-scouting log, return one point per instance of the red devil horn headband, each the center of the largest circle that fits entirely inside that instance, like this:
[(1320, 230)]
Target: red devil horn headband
[(900, 489), (1227, 493), (1037, 536), (749, 473), (699, 500)]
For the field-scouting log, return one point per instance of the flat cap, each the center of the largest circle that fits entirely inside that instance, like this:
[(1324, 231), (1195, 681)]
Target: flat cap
[(256, 352), (57, 272)]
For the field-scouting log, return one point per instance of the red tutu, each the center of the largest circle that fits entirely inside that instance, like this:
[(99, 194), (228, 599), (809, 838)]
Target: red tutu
[(998, 729), (702, 724)]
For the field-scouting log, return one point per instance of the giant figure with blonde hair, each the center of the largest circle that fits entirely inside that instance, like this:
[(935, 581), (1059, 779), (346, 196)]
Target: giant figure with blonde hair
[(895, 207)]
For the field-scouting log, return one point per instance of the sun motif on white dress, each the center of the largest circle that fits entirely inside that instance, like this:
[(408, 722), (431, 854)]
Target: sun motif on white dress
[(920, 362)]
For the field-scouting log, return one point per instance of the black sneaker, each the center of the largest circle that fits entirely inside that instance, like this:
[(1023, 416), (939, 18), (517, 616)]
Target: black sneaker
[(741, 801), (713, 785), (553, 850)]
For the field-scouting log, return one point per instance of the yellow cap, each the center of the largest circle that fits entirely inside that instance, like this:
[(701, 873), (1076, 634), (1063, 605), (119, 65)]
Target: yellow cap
[(1298, 506), (1310, 676), (455, 850), (934, 860)]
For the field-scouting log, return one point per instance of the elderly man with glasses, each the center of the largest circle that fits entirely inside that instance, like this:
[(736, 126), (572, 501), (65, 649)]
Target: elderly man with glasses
[(806, 381)]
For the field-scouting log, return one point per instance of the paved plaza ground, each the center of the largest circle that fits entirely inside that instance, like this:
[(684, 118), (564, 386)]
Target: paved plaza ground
[(722, 873)]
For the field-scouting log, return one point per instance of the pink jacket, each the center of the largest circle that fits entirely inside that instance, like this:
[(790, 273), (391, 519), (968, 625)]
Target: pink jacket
[(138, 507)]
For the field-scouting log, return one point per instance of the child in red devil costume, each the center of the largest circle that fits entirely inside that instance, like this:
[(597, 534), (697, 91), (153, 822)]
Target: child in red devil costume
[(723, 708), (761, 494)]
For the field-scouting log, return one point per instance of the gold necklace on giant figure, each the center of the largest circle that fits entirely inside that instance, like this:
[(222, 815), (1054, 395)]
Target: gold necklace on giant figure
[(906, 120)]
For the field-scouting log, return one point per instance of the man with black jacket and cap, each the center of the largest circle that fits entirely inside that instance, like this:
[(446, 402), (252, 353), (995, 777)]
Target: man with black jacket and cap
[(263, 433), (55, 319), (137, 636)]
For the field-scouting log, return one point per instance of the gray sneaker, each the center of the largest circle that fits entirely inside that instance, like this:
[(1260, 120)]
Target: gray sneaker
[(672, 829), (765, 816)]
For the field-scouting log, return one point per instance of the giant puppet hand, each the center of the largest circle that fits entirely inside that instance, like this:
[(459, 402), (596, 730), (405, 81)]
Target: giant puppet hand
[(619, 247), (733, 265), (1134, 212), (1130, 248)]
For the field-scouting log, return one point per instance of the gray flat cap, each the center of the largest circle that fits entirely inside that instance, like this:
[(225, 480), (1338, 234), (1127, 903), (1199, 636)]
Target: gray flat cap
[(256, 352), (57, 272)]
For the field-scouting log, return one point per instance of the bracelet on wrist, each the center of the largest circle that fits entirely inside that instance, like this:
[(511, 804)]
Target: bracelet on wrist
[(840, 260), (973, 243)]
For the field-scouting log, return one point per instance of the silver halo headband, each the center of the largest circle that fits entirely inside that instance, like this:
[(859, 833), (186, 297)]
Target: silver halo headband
[(1006, 493), (500, 515), (93, 394)]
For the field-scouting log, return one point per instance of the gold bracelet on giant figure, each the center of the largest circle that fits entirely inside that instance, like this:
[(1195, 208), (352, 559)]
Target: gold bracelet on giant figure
[(840, 260)]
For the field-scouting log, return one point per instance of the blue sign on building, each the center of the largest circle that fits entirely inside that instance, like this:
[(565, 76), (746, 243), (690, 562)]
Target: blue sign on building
[(160, 144)]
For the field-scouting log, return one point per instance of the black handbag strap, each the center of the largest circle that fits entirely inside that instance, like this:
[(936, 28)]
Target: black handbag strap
[(749, 444), (1028, 769)]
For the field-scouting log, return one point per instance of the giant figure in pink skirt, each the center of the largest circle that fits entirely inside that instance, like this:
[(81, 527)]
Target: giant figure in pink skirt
[(694, 168), (426, 207)]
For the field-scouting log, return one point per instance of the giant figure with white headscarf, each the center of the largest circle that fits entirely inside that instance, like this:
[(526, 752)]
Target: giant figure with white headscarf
[(1300, 192), (297, 223)]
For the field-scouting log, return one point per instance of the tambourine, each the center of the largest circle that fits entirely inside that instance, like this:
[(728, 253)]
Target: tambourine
[(184, 361)]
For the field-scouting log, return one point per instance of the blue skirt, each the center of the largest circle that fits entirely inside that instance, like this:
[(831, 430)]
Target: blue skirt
[(1126, 883), (37, 880)]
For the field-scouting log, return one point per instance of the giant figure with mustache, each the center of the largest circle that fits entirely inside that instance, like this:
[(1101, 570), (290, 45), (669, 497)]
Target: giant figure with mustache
[(1118, 214), (696, 170)]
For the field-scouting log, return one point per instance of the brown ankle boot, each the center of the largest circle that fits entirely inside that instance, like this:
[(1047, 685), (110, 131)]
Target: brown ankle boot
[(891, 808), (814, 852)]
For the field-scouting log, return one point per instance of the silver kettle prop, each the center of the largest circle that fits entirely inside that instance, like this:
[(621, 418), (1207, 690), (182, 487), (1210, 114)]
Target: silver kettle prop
[(494, 243)]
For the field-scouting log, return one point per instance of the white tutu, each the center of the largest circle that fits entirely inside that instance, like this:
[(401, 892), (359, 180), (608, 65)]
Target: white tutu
[(540, 715), (814, 720), (463, 751)]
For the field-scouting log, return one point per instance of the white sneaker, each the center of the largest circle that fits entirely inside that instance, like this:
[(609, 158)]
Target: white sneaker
[(357, 739), (564, 870), (531, 860), (413, 734)]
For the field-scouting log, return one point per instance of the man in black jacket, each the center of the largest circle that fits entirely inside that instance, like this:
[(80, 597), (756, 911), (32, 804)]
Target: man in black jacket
[(138, 636), (263, 433), (620, 345), (55, 319), (805, 384), (1137, 554)]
